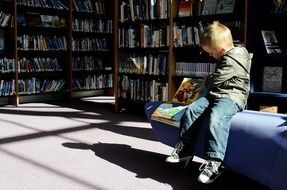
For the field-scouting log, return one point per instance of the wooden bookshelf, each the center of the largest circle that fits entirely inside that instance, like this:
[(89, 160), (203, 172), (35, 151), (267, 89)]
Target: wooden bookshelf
[(235, 18), (246, 21), (8, 54), (44, 49), (92, 39), (142, 53)]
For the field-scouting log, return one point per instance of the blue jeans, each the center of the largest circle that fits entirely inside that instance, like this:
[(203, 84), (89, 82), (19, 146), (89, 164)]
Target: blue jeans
[(218, 114)]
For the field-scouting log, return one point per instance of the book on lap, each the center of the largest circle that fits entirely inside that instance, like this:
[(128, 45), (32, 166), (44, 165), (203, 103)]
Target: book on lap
[(189, 91)]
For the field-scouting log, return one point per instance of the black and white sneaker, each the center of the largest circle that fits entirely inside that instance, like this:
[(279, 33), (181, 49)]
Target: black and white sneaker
[(210, 171), (179, 154)]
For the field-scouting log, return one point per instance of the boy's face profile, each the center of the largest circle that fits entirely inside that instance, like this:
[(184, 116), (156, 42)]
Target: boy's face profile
[(216, 54)]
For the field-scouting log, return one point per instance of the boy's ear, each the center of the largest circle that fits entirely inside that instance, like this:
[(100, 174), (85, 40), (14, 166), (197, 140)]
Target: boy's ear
[(222, 51)]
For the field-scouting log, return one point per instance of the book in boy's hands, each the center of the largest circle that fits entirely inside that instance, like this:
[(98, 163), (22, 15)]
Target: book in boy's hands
[(168, 113), (167, 121), (189, 90), (270, 41)]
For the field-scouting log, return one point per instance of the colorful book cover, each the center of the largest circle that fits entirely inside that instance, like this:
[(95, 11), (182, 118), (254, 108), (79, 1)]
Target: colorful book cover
[(169, 112), (167, 121), (189, 90)]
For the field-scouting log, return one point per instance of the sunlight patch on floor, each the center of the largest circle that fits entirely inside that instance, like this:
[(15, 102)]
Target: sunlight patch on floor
[(100, 99), (132, 124)]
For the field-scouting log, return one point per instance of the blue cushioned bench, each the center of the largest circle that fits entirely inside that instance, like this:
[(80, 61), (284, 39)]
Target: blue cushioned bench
[(257, 144)]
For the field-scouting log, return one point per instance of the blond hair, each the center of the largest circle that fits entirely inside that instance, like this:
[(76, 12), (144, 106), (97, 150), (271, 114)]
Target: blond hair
[(216, 36)]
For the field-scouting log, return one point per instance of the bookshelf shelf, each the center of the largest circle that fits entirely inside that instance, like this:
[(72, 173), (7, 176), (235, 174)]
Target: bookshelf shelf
[(269, 94), (262, 17), (41, 55)]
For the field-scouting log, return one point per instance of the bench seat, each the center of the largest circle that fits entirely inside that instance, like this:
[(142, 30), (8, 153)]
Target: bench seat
[(257, 144)]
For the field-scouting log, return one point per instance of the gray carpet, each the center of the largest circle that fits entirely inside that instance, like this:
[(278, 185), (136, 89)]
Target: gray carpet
[(84, 145)]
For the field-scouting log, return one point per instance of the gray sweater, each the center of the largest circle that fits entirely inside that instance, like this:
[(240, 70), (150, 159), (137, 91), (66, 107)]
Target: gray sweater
[(230, 79)]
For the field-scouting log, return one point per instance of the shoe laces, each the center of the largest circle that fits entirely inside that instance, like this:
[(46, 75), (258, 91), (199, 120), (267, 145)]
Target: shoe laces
[(210, 167), (178, 148)]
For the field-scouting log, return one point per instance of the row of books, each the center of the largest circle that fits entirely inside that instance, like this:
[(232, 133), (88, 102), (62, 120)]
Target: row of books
[(5, 18), (38, 64), (184, 35), (35, 85), (147, 36), (30, 86), (143, 10), (92, 25), (33, 19), (142, 90), (93, 82), (53, 4), (92, 6), (194, 69), (143, 64), (41, 43), (97, 6), (7, 65), (89, 44), (7, 87), (87, 63)]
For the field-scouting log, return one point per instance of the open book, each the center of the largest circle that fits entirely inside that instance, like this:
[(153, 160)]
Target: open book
[(168, 113), (189, 91)]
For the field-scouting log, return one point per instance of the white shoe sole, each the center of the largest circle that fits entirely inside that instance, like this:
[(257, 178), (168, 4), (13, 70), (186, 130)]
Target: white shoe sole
[(186, 159), (206, 180)]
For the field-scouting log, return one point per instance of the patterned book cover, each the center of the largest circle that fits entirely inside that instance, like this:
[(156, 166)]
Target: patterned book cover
[(169, 112), (189, 90)]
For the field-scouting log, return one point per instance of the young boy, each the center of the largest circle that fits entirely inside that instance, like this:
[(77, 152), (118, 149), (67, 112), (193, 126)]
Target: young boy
[(228, 88)]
